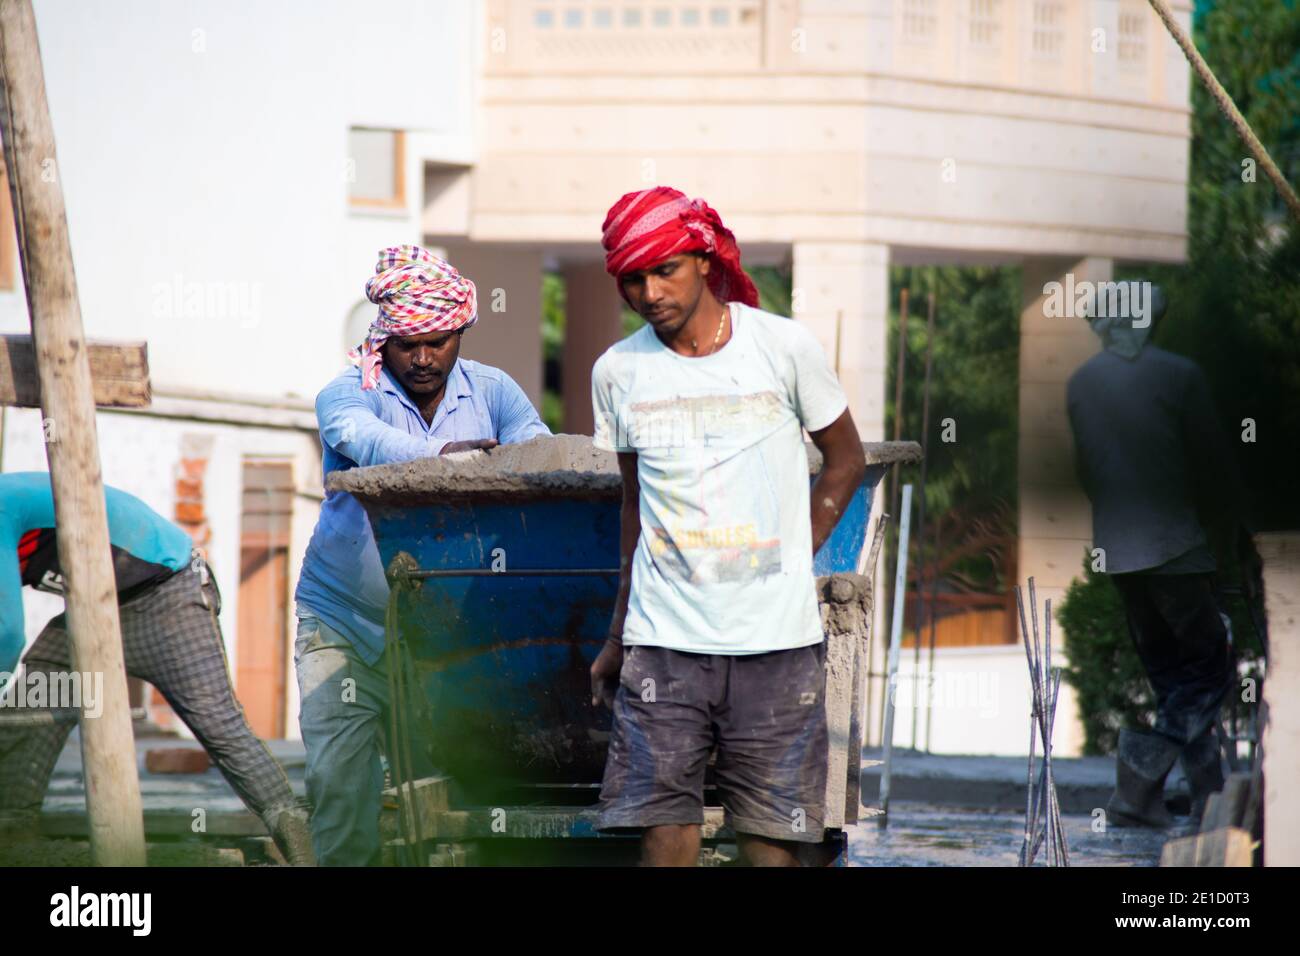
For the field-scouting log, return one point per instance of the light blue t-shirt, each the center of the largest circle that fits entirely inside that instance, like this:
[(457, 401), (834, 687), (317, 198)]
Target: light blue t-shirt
[(724, 564), (342, 580), (145, 547)]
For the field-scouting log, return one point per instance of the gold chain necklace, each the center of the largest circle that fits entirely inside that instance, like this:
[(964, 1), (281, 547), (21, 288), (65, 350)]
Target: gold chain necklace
[(726, 311)]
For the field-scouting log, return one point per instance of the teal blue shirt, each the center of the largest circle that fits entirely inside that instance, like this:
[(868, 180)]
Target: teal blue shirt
[(146, 547)]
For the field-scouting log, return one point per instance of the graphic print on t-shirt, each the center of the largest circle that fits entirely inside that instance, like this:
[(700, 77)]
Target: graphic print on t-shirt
[(713, 535)]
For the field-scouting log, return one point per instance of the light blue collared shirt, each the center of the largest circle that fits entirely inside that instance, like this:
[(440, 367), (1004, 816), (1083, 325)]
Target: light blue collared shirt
[(342, 580)]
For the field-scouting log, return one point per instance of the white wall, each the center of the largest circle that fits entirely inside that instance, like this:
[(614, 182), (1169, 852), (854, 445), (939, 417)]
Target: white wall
[(980, 702), (205, 143)]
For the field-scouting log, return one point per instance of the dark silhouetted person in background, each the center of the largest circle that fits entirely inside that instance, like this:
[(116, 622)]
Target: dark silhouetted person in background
[(1149, 452)]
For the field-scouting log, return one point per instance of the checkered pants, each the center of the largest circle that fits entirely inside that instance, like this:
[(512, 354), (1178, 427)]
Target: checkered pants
[(172, 639)]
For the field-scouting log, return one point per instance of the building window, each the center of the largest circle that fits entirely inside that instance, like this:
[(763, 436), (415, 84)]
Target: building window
[(1132, 48), (985, 24), (376, 168), (1047, 38), (920, 21)]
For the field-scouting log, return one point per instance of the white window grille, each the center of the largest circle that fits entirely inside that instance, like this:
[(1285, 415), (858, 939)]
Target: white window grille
[(920, 20), (985, 24), (1132, 47), (1047, 36)]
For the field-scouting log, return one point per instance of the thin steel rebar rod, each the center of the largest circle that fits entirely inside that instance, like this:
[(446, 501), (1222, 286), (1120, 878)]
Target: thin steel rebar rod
[(1029, 793), (1047, 733), (1032, 661), (1064, 852), (895, 471), (895, 640), (1042, 804), (1044, 794), (934, 602), (919, 619)]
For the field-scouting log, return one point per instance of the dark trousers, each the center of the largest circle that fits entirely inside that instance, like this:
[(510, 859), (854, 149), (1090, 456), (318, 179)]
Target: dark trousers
[(1183, 645), (170, 638)]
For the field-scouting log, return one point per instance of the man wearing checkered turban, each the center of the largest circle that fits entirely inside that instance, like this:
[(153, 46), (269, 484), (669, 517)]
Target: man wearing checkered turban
[(410, 395), (417, 293)]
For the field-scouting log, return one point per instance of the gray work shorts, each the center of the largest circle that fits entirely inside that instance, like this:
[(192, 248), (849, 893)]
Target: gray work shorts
[(765, 714)]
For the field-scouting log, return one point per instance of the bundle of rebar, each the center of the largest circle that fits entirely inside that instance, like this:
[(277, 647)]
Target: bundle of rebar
[(1042, 811)]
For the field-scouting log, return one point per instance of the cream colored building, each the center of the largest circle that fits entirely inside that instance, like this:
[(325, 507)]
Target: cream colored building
[(839, 136)]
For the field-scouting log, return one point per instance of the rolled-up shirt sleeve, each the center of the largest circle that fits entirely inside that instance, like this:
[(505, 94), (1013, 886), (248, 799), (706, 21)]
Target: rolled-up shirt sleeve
[(513, 415), (351, 426)]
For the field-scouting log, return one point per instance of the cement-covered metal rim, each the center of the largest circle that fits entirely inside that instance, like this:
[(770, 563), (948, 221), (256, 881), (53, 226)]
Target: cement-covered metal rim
[(559, 466)]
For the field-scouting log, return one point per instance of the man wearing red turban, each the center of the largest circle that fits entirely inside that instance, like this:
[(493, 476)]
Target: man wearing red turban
[(716, 639)]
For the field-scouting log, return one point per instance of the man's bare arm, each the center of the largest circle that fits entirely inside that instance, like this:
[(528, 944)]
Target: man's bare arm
[(843, 467)]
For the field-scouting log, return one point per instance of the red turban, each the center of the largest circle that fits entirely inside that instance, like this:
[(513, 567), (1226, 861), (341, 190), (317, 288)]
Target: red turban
[(644, 228)]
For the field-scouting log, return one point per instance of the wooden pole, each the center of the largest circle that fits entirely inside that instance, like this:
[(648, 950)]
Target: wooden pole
[(63, 367)]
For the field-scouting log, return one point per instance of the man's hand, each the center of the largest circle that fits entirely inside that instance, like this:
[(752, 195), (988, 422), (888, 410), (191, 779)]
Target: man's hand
[(843, 467), (455, 446), (604, 674)]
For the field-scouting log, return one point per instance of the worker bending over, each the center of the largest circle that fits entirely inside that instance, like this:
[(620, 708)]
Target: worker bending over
[(170, 637), (716, 638), (410, 396)]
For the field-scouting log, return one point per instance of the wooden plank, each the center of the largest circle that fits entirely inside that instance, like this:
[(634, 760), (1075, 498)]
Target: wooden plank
[(1227, 846), (67, 403), (428, 803), (119, 373)]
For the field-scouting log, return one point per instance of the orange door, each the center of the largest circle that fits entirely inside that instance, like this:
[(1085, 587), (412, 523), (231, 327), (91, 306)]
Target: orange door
[(264, 594)]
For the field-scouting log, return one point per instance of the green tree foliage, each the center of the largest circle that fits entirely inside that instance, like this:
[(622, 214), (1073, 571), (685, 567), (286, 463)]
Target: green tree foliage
[(971, 480), (1235, 305)]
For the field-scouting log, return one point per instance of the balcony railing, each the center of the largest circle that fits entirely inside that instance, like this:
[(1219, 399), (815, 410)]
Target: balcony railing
[(1105, 48)]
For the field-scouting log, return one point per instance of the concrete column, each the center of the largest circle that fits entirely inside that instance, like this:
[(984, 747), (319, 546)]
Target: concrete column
[(508, 333), (592, 323), (1280, 553), (845, 285), (841, 289), (1055, 520)]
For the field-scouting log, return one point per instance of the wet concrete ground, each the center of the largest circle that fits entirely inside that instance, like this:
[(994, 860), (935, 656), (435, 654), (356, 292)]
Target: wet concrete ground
[(947, 811), (920, 834)]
